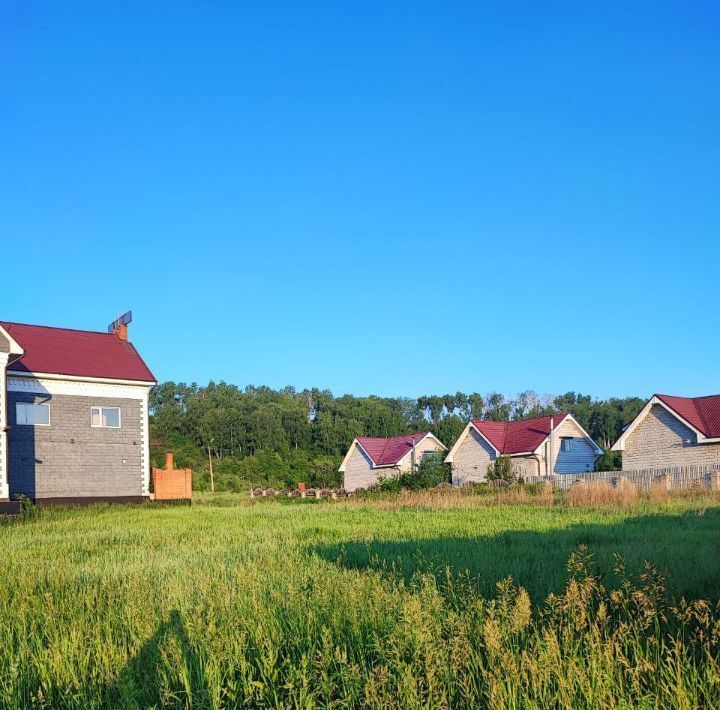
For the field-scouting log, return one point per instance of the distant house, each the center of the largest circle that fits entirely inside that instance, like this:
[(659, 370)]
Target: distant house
[(73, 415), (369, 457), (672, 431), (538, 447)]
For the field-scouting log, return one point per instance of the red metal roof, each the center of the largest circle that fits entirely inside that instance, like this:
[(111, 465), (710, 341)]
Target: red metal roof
[(389, 451), (520, 436), (80, 353), (702, 412)]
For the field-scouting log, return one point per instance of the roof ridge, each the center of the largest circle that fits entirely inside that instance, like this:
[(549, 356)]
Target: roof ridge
[(54, 327), (505, 435), (706, 427)]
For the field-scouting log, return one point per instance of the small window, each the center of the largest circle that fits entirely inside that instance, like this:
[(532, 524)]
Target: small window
[(32, 414), (565, 444), (105, 417)]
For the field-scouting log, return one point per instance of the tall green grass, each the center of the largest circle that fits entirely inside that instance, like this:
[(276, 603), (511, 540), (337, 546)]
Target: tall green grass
[(346, 604)]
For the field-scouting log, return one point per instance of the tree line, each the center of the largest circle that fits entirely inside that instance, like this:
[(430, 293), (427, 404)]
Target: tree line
[(258, 435)]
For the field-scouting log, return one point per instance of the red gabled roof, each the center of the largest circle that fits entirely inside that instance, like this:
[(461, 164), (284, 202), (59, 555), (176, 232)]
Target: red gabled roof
[(80, 353), (702, 412), (520, 436), (389, 451)]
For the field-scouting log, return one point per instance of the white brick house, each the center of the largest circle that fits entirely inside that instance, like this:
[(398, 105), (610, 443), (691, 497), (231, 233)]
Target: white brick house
[(672, 431), (369, 457), (539, 446)]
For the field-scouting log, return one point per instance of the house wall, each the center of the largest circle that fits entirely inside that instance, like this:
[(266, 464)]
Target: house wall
[(662, 440), (471, 459), (70, 459), (581, 457), (359, 472), (4, 344)]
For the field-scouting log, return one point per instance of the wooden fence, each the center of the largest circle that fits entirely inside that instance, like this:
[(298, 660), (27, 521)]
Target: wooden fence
[(673, 477)]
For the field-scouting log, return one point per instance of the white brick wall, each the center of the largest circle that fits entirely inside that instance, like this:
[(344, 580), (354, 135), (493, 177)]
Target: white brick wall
[(662, 440), (359, 472), (471, 459)]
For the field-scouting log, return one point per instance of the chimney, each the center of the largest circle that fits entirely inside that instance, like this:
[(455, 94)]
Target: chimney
[(119, 326)]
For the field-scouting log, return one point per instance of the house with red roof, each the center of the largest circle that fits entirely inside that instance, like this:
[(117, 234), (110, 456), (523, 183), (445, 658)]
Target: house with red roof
[(540, 446), (672, 431), (369, 458), (73, 415)]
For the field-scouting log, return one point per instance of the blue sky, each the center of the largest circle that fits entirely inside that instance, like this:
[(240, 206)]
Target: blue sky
[(390, 198)]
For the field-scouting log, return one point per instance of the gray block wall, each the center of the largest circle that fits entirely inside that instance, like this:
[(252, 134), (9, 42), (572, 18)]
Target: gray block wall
[(71, 459)]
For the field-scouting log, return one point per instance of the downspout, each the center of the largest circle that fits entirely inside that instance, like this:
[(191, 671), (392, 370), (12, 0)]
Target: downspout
[(537, 459), (552, 431), (5, 467)]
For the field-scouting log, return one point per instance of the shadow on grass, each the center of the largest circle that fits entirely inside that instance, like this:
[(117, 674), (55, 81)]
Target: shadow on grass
[(686, 548), (143, 681)]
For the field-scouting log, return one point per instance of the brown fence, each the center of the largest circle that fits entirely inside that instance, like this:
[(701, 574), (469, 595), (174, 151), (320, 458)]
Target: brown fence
[(170, 483), (673, 477)]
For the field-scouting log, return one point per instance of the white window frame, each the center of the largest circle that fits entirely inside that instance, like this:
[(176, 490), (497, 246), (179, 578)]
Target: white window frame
[(104, 426), (566, 443), (31, 404)]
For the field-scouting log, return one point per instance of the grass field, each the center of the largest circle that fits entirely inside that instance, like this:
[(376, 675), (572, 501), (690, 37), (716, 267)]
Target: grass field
[(388, 602)]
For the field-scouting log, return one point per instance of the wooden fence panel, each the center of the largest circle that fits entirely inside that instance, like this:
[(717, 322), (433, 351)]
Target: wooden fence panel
[(674, 477)]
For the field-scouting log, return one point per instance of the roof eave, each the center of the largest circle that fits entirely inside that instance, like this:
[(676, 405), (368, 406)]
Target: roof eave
[(81, 378)]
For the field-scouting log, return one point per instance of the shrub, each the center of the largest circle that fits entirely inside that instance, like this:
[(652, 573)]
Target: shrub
[(502, 469), (427, 474), (324, 472)]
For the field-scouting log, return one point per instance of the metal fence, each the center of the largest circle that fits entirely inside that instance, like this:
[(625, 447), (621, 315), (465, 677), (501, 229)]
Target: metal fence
[(673, 477)]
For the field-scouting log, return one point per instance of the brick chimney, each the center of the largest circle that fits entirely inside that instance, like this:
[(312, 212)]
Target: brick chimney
[(119, 326)]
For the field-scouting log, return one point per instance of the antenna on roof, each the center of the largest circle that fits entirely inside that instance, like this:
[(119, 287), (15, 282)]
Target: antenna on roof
[(124, 319)]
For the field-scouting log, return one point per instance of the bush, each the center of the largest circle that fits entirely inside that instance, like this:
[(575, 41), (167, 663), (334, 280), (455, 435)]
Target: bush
[(427, 474), (502, 469), (324, 472)]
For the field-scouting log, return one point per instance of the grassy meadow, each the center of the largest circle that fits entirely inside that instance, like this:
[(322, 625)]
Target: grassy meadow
[(437, 599)]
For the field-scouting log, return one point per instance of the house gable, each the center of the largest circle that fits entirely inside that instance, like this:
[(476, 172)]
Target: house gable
[(8, 345), (664, 403), (471, 455), (359, 470), (662, 440)]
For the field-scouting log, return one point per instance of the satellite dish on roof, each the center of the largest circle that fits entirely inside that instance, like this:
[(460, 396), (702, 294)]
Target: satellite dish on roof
[(124, 319)]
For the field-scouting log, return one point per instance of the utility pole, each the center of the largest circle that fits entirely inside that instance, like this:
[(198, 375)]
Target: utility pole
[(212, 479)]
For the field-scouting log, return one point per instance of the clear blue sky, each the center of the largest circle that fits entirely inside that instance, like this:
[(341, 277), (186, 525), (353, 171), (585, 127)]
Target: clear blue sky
[(390, 198)]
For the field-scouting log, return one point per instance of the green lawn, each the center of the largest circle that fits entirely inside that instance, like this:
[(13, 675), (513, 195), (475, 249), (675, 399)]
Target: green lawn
[(285, 603)]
